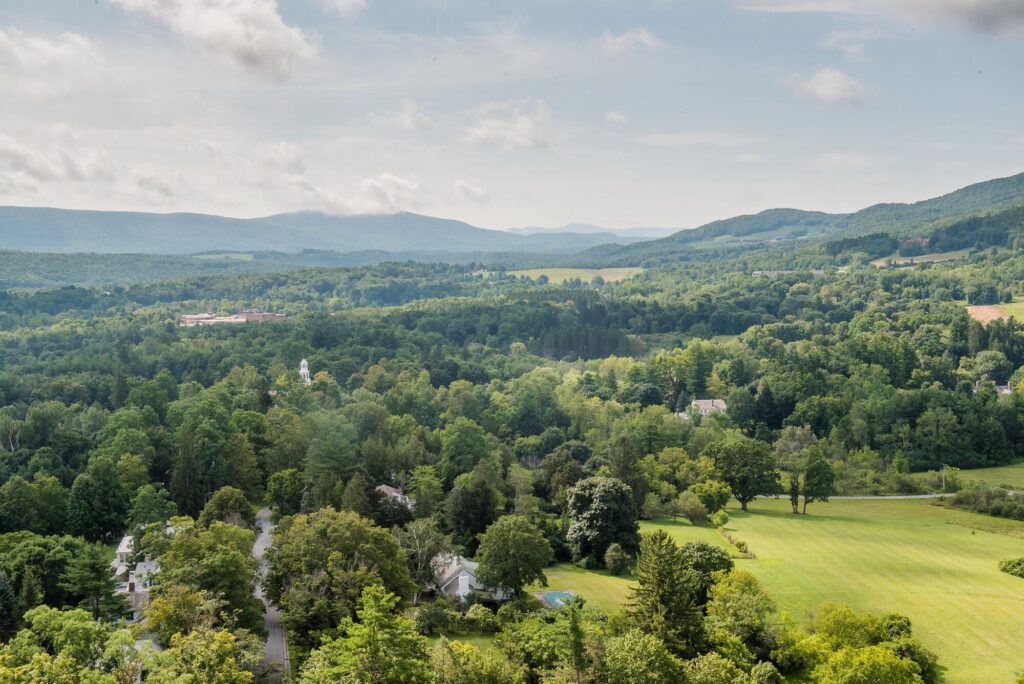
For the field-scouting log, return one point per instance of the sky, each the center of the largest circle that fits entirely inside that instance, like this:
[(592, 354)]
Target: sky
[(621, 113)]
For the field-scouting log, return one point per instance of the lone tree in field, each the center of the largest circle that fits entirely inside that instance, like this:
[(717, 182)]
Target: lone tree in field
[(819, 479), (794, 491), (664, 602), (748, 467), (513, 553)]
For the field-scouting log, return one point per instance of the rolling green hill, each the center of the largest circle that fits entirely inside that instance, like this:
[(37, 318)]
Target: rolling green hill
[(779, 226)]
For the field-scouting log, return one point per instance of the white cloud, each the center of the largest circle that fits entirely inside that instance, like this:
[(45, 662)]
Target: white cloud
[(510, 125), (832, 85), (467, 192), (617, 118), (988, 15), (851, 43), (41, 66), (749, 158), (385, 193), (409, 117), (345, 7), (687, 139), (280, 156), (65, 159), (249, 32), (630, 40)]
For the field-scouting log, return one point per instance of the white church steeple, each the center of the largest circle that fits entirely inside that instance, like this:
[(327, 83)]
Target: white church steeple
[(304, 372)]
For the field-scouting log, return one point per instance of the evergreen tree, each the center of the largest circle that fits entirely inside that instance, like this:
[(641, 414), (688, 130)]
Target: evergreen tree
[(356, 497), (87, 577), (664, 602), (31, 593)]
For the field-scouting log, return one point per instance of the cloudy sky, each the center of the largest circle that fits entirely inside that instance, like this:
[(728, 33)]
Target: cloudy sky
[(614, 112)]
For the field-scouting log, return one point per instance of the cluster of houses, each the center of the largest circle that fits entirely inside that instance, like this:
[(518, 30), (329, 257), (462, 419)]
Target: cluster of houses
[(243, 316)]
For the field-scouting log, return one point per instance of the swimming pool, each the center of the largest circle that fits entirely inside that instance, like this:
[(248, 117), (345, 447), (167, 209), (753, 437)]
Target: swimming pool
[(557, 599)]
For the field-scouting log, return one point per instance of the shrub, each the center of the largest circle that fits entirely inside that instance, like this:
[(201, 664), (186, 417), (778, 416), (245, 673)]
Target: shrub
[(689, 506), (509, 612), (741, 546), (765, 673), (1013, 566), (719, 518), (617, 560)]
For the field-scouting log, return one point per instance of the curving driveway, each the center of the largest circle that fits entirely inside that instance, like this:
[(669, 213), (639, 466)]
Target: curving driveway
[(275, 654)]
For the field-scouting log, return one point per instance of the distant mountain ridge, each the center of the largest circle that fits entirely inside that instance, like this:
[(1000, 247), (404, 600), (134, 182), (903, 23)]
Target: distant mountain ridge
[(780, 225), (33, 229), (414, 236)]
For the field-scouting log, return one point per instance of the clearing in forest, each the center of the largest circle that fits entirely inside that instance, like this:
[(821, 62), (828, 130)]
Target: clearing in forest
[(985, 314)]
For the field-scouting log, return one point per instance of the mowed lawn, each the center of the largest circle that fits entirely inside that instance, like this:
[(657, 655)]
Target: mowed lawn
[(937, 566), (560, 275)]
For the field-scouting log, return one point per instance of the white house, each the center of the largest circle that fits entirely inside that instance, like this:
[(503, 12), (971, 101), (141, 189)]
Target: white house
[(457, 578), (705, 407), (397, 496)]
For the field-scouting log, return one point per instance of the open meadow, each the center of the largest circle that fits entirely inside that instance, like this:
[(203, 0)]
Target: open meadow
[(1007, 475), (936, 565)]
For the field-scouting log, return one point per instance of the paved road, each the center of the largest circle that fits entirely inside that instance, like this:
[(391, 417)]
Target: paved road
[(276, 652)]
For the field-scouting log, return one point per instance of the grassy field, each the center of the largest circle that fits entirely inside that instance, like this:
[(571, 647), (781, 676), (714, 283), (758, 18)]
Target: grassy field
[(560, 275), (937, 566), (1015, 309), (1009, 475)]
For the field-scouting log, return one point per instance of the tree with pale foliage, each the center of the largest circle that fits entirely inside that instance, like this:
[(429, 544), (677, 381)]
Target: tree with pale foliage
[(381, 648), (426, 548)]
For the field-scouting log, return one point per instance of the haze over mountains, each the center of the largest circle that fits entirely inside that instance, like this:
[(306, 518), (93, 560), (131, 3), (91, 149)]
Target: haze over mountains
[(426, 238)]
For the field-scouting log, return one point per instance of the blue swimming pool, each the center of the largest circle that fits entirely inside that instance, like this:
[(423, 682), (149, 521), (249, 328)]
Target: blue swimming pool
[(557, 599)]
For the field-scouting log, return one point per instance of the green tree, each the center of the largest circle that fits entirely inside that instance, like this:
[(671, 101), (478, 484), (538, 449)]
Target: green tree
[(513, 552), (151, 504), (383, 647), (794, 492), (819, 479), (737, 605), (427, 489), (356, 497), (747, 466), (472, 505), (455, 662), (87, 577), (601, 513), (639, 658), (868, 665), (284, 492), (228, 505), (10, 613), (426, 547), (664, 602), (217, 656), (463, 445)]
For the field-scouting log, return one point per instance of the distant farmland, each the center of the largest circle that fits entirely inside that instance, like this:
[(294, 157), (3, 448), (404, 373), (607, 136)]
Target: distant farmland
[(560, 275)]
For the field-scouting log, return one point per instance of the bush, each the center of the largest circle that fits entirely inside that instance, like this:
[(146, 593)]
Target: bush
[(720, 519), (765, 673), (741, 546), (1013, 566), (689, 506), (617, 560)]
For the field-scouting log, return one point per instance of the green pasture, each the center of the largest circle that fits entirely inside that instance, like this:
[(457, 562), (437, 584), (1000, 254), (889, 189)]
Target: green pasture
[(1009, 475), (1014, 308)]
